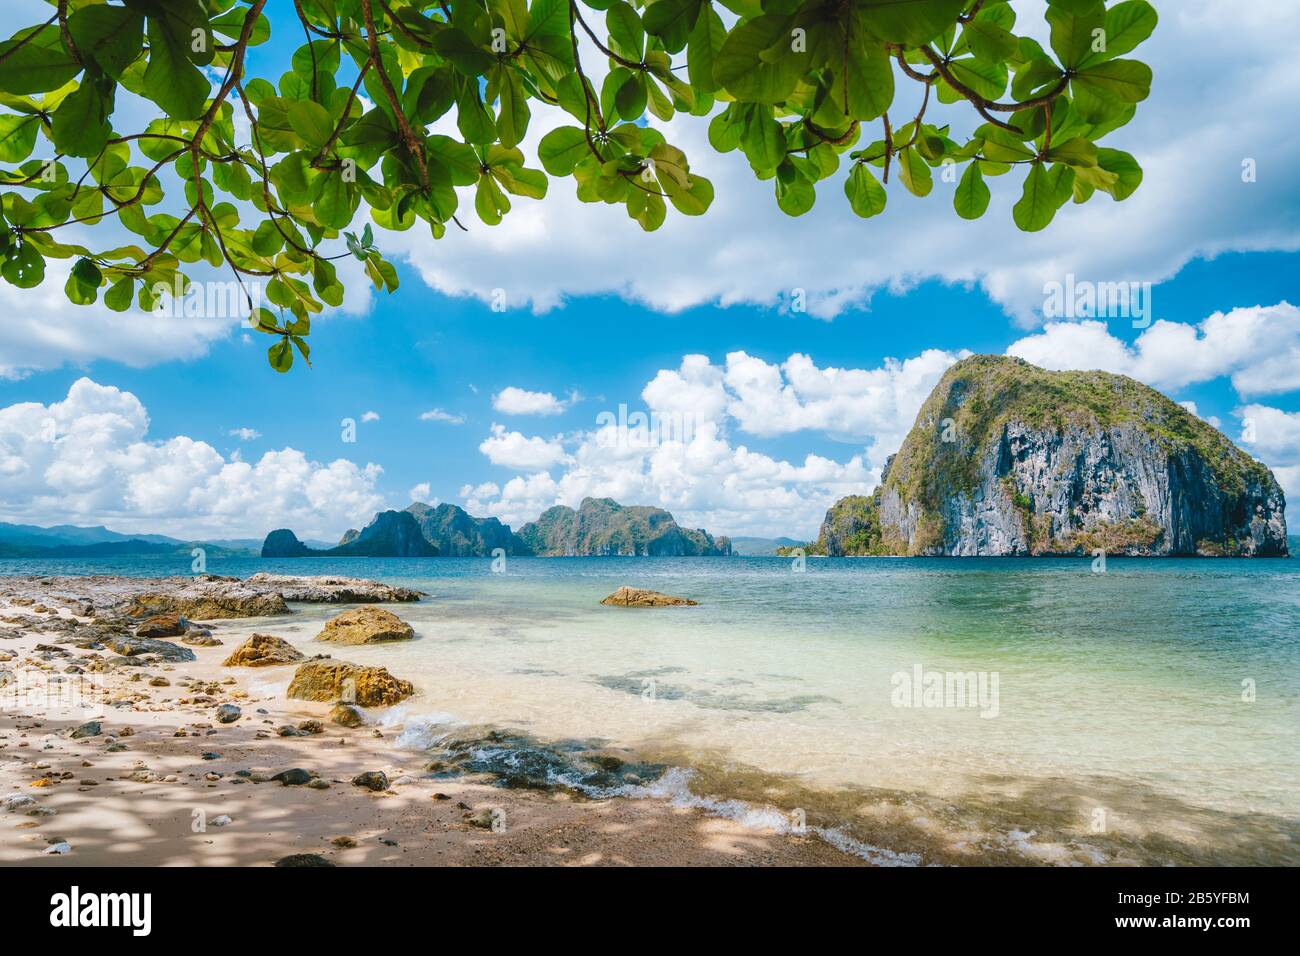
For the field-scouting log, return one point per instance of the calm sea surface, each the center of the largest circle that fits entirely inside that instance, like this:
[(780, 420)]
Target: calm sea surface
[(1148, 714)]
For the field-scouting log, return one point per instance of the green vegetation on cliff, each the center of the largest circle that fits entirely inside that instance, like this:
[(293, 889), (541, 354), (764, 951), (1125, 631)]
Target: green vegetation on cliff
[(601, 526)]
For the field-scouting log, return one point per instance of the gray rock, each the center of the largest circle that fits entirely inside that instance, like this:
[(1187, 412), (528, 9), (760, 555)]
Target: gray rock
[(89, 729), (228, 714), (294, 777)]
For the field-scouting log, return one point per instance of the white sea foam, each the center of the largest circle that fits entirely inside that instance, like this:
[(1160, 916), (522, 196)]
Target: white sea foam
[(674, 786)]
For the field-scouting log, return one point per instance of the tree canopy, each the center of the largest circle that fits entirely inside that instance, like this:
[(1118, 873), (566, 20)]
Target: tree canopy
[(265, 176)]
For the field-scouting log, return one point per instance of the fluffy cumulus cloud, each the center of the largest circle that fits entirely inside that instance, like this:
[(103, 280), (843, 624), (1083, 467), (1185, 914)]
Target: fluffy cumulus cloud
[(685, 451), (515, 450), (1257, 347), (1273, 436), (88, 459), (518, 401), (1221, 79)]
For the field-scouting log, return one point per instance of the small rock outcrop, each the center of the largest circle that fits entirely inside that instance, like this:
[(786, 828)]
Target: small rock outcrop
[(640, 597), (263, 650), (138, 646), (365, 625), (346, 715), (332, 589), (330, 681), (162, 625), (283, 543)]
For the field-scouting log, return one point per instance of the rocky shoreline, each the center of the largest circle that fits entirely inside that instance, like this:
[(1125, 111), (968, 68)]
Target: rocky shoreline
[(131, 732)]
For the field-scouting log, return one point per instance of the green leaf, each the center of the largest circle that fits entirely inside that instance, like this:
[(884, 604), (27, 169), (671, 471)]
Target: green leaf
[(866, 196), (1126, 80), (119, 295), (17, 137), (561, 149), (80, 124), (626, 34), (972, 196), (914, 172), (336, 201), (1125, 167), (1073, 34), (25, 267), (702, 48), (912, 22), (170, 79), (35, 65), (990, 42), (280, 355), (1037, 205), (513, 115), (112, 36), (863, 76), (757, 63), (312, 122), (1127, 25), (671, 21)]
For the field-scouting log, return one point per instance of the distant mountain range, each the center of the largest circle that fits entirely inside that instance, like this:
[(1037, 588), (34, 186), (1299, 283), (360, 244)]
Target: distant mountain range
[(761, 547), (599, 527), (71, 541)]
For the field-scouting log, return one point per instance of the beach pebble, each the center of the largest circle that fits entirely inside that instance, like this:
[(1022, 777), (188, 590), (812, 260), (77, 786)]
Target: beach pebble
[(371, 780), (16, 801), (303, 859), (221, 821), (58, 849), (344, 842), (211, 755), (228, 714), (89, 729), (294, 777), (318, 784), (346, 715)]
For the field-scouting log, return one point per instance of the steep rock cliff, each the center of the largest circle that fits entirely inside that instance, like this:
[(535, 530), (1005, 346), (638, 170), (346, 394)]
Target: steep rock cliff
[(1009, 459)]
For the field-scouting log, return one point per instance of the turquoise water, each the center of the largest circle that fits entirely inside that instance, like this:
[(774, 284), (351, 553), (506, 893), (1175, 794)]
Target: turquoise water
[(1148, 714)]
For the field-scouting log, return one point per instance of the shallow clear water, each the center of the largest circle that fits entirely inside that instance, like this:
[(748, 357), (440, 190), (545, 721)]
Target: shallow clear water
[(1116, 723)]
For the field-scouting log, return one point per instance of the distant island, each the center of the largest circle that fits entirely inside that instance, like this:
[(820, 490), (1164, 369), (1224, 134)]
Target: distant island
[(1006, 458), (71, 541), (599, 527)]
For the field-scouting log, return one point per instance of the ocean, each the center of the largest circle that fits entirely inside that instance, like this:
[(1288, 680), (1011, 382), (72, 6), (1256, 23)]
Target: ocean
[(918, 710)]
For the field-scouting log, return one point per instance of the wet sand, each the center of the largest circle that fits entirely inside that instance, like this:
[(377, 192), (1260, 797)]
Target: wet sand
[(139, 794)]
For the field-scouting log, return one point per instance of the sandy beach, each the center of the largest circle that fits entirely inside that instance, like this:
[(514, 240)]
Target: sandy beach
[(154, 778)]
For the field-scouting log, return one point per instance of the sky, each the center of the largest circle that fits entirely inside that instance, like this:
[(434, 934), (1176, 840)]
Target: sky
[(783, 359)]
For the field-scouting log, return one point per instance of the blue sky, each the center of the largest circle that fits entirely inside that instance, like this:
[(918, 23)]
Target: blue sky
[(600, 315)]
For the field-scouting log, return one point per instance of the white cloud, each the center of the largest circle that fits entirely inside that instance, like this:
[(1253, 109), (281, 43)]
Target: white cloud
[(689, 465), (87, 459), (514, 450), (1274, 437), (420, 492), (1258, 347), (369, 416), (245, 434), (439, 415), (1271, 433), (744, 249), (519, 401)]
